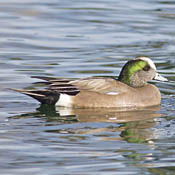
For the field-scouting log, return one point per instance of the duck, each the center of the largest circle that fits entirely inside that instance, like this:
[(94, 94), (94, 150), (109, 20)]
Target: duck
[(130, 90)]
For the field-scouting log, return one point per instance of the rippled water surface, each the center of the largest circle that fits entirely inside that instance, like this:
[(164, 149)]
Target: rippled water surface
[(76, 38)]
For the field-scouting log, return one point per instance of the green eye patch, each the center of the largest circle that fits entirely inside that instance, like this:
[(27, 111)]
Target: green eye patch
[(130, 68)]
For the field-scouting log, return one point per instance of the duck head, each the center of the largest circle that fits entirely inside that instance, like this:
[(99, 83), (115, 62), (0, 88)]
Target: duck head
[(137, 72)]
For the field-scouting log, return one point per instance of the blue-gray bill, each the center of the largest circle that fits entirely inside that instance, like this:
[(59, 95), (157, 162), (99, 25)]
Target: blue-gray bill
[(160, 77)]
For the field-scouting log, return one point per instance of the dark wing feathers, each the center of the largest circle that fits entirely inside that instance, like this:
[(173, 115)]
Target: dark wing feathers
[(51, 94), (95, 84), (57, 86)]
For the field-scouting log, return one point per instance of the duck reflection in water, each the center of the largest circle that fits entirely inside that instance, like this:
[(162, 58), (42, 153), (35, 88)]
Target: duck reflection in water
[(132, 126)]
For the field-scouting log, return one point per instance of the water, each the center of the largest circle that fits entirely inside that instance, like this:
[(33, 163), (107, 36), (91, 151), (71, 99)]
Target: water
[(77, 39)]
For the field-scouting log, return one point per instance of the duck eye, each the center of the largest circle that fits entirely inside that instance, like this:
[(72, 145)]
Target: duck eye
[(146, 68)]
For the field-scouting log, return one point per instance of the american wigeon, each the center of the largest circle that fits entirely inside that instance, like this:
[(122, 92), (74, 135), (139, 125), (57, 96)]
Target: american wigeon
[(129, 90)]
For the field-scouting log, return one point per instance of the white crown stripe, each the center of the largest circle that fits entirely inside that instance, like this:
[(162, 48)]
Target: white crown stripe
[(149, 61)]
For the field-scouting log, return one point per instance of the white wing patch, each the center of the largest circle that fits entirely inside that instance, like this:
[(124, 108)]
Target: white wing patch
[(64, 100), (112, 93)]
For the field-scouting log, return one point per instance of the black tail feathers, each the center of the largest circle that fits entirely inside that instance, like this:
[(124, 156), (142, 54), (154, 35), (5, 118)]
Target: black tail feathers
[(43, 96)]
